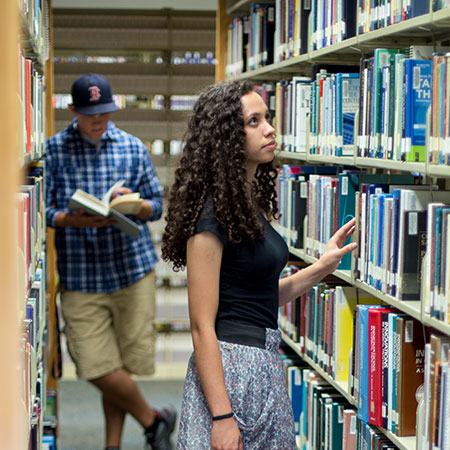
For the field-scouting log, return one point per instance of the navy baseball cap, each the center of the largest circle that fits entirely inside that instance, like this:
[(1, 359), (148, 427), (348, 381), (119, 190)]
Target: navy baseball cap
[(92, 94)]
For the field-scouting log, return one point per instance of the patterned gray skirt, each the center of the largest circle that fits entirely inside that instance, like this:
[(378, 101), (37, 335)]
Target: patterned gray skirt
[(256, 385)]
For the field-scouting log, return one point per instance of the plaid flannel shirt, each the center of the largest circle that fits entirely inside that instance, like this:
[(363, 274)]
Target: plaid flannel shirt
[(99, 259)]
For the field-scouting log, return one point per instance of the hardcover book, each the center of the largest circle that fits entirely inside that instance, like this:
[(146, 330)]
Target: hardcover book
[(125, 204), (412, 354), (418, 78)]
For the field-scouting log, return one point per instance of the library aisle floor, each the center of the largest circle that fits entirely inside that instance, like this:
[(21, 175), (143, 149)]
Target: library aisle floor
[(81, 419), (80, 414)]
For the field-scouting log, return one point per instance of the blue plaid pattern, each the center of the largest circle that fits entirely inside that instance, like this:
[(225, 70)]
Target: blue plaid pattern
[(99, 259)]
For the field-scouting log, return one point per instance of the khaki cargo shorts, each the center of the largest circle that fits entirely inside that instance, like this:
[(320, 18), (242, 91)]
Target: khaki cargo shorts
[(109, 331)]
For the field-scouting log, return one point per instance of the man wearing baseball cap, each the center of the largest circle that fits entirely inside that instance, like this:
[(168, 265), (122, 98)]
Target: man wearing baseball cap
[(106, 279)]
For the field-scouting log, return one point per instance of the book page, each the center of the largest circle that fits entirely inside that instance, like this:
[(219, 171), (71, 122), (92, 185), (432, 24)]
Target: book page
[(127, 203), (89, 202)]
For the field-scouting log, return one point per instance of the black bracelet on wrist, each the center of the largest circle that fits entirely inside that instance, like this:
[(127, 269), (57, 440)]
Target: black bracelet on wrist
[(223, 416)]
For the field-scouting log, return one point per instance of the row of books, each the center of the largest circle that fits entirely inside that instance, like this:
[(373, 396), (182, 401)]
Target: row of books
[(62, 101), (33, 297), (50, 421), (272, 33), (321, 322), (390, 218), (237, 42), (332, 21), (434, 428), (31, 226), (382, 356), (398, 223), (437, 260), (157, 147), (34, 355), (36, 23), (373, 15), (157, 102), (32, 106), (440, 4), (334, 104), (387, 367), (390, 95), (33, 51), (291, 29), (354, 354), (396, 92), (323, 417), (188, 57), (440, 110), (261, 29)]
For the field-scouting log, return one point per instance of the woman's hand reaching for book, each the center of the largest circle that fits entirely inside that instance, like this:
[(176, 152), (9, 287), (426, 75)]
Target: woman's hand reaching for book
[(335, 249), (300, 282)]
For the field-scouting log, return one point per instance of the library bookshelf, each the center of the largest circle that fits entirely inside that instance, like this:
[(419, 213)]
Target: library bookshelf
[(13, 416), (28, 408), (430, 27)]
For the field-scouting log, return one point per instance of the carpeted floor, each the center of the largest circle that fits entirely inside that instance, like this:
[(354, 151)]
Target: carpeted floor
[(81, 418)]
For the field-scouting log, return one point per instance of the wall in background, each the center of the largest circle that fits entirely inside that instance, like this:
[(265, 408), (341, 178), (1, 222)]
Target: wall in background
[(194, 5)]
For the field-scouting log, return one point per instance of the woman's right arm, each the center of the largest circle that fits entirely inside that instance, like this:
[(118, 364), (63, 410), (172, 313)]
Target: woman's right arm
[(203, 260)]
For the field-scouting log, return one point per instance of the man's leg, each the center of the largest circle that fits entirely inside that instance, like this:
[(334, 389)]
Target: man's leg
[(93, 347), (133, 310), (122, 392), (114, 422)]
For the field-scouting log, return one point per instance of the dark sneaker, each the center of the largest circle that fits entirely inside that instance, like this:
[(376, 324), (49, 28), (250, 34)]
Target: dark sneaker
[(160, 438)]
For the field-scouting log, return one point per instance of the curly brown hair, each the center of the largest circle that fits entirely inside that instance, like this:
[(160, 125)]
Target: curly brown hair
[(213, 166)]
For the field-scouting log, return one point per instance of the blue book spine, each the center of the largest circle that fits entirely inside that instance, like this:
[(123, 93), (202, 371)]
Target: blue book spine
[(438, 256), (395, 349), (372, 21), (333, 116), (371, 132), (317, 118), (372, 238), (338, 125), (363, 360), (304, 418), (350, 106), (417, 8), (407, 123), (295, 391), (380, 238), (291, 28), (324, 23), (442, 96), (31, 316), (419, 82), (348, 183)]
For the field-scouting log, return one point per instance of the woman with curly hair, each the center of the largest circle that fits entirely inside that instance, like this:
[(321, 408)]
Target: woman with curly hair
[(218, 226)]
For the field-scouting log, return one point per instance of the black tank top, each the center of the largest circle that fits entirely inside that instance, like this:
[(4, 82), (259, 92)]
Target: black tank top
[(249, 273)]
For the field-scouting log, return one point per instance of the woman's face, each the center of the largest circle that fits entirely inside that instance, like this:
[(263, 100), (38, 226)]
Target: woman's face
[(260, 142)]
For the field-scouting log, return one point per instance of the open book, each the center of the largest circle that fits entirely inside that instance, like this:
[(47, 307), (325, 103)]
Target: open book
[(123, 204)]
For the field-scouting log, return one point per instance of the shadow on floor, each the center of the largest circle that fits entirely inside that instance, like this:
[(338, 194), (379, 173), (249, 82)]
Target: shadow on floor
[(81, 418)]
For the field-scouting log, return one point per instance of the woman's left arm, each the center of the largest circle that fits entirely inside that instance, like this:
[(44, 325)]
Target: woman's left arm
[(295, 285)]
